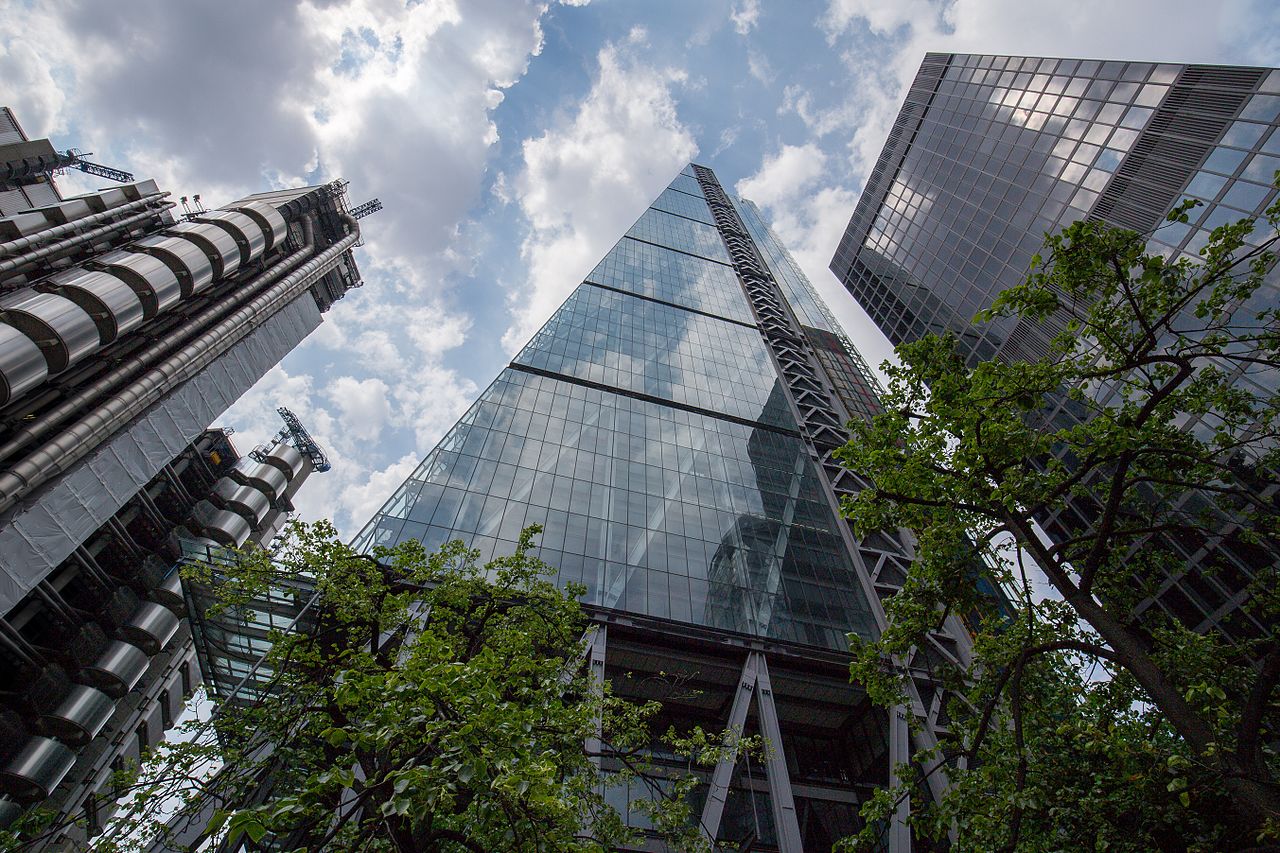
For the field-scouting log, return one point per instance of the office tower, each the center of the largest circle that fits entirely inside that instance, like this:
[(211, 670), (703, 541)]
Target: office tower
[(124, 333), (110, 643), (990, 152), (670, 428)]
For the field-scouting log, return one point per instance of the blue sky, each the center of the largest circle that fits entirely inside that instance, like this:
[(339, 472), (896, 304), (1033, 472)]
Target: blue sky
[(511, 144)]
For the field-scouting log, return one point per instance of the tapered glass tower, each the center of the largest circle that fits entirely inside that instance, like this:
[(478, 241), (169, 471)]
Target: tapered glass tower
[(670, 428)]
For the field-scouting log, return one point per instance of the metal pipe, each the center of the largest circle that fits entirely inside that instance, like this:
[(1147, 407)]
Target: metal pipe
[(122, 372), (8, 265), (23, 243), (90, 431)]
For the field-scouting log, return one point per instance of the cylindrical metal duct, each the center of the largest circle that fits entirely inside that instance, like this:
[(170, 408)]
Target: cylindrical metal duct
[(37, 769), (24, 243), (119, 375), (286, 457), (222, 525), (246, 501), (56, 456), (118, 669), (151, 278), (80, 716), (151, 627), (250, 237), (169, 592), (112, 304), (218, 245), (61, 328), (189, 262), (22, 365), (273, 225), (267, 479)]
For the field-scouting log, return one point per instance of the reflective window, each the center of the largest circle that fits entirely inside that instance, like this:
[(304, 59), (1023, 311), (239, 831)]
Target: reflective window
[(677, 232), (656, 510), (683, 204), (649, 348), (674, 277)]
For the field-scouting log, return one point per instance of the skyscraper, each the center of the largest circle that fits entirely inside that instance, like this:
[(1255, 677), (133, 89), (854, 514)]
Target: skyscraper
[(990, 152), (670, 428), (123, 334)]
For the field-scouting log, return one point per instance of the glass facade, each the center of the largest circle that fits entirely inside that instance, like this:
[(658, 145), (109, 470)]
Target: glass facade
[(646, 428), (991, 152), (663, 428)]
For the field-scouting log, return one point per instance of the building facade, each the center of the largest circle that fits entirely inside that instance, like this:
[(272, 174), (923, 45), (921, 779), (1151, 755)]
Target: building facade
[(989, 153), (124, 332), (670, 428)]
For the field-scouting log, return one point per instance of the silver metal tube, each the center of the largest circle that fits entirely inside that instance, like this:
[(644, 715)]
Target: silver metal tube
[(49, 250), (24, 243), (122, 372), (90, 431)]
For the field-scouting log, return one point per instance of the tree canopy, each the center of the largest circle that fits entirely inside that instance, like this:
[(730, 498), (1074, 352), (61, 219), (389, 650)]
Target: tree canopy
[(1152, 420), (431, 704)]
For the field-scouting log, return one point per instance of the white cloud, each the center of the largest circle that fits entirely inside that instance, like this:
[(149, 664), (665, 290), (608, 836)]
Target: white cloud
[(745, 16), (785, 175), (236, 97), (585, 181), (362, 405), (760, 68)]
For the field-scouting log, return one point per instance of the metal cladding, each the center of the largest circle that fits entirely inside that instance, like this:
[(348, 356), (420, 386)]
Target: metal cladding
[(286, 457), (151, 279), (262, 476), (274, 228), (245, 500), (112, 304), (151, 627), (37, 768), (62, 329), (189, 262), (118, 669), (249, 235), (169, 592), (222, 525), (218, 245), (22, 365), (80, 716)]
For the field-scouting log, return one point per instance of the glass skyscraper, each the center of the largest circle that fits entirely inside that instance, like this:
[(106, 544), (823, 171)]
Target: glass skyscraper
[(989, 153), (670, 428)]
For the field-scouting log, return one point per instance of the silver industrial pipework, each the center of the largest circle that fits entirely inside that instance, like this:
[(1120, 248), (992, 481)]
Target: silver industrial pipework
[(80, 438), (121, 373), (80, 224), (48, 250)]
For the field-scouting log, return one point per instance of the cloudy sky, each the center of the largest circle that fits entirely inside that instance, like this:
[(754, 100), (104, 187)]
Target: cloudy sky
[(511, 144)]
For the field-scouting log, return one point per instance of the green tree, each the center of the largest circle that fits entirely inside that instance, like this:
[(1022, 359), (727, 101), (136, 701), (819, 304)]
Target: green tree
[(1079, 725), (435, 705)]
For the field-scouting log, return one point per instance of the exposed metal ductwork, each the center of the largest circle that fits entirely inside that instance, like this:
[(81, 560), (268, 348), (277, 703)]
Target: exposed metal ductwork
[(286, 457), (117, 669), (167, 292), (83, 224), (75, 441), (156, 285), (62, 329), (49, 250), (37, 769), (160, 270), (80, 715), (113, 305)]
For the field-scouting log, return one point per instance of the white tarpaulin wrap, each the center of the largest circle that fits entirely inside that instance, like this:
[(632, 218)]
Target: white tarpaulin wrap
[(40, 534)]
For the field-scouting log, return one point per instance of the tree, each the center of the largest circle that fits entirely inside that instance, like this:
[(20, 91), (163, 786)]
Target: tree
[(1079, 724), (433, 705)]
